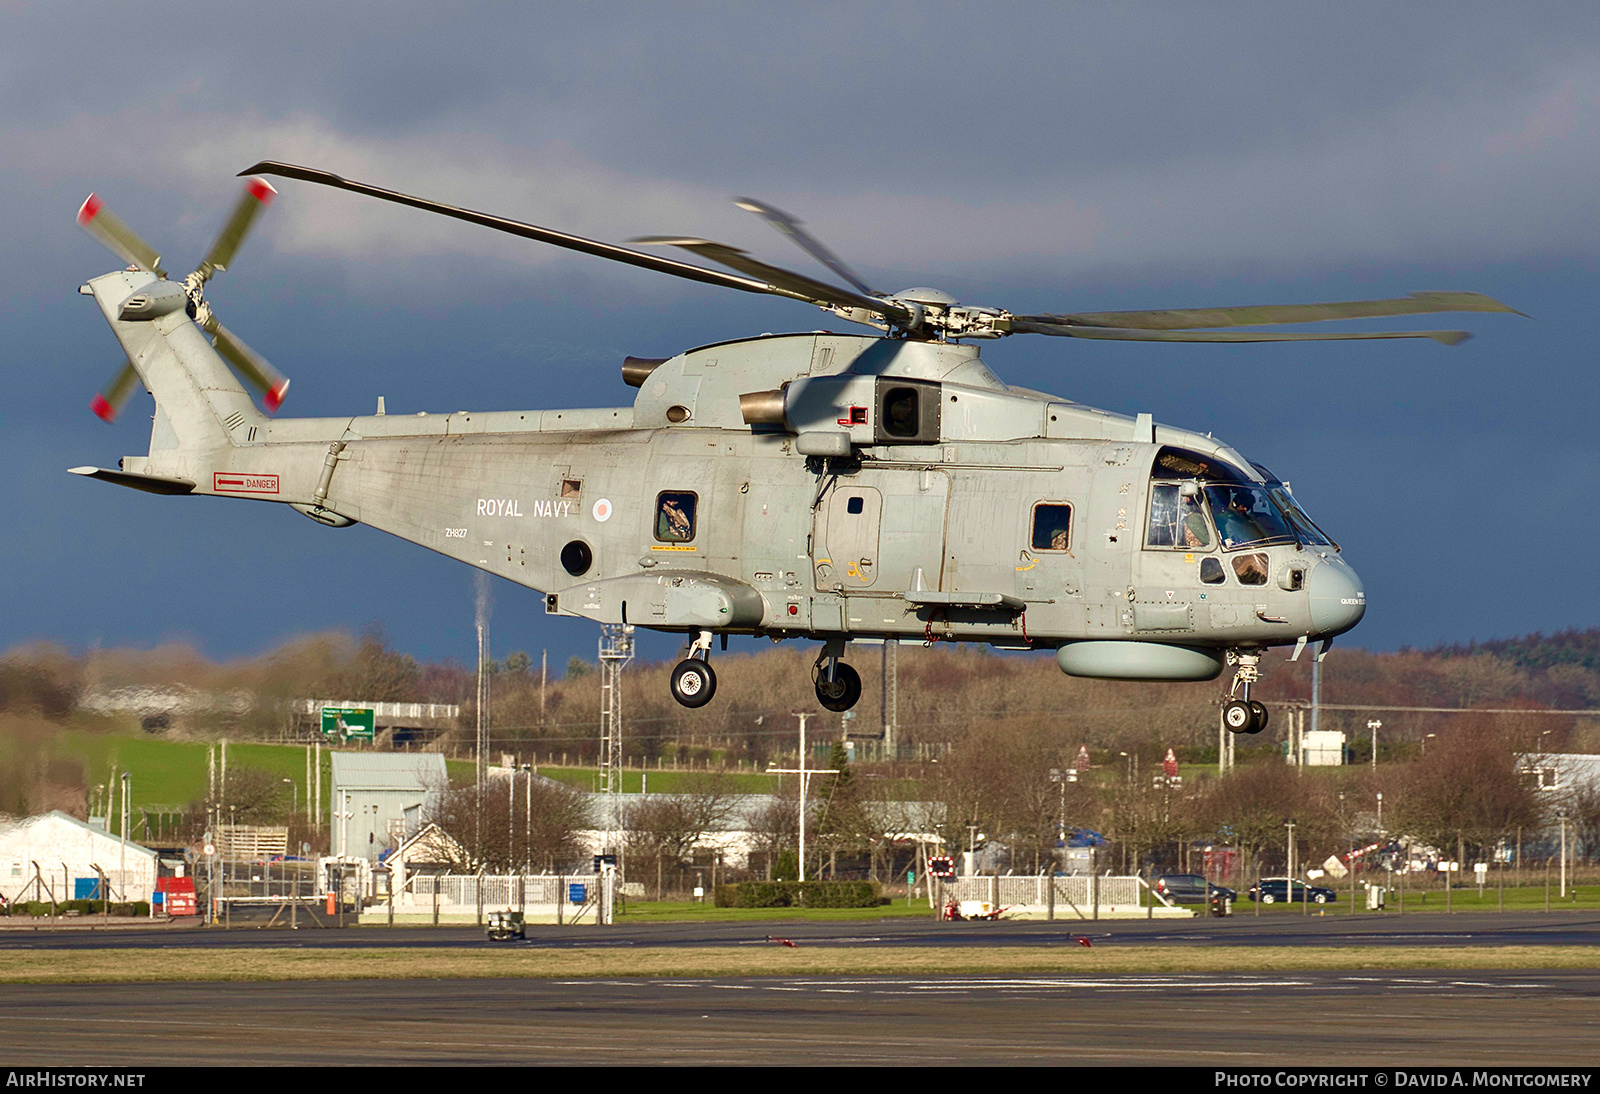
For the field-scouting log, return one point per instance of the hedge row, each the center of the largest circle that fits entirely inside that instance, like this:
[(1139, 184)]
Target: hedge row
[(800, 894), (82, 907)]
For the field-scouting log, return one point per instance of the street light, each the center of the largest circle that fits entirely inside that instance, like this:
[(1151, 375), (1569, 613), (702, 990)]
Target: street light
[(1374, 725)]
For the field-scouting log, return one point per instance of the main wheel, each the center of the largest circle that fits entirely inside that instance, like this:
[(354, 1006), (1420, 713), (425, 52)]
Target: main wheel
[(693, 683), (1239, 717), (1320, 898), (1268, 898), (1258, 709), (843, 692)]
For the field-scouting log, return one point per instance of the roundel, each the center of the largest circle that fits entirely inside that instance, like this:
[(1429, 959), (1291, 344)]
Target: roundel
[(602, 510)]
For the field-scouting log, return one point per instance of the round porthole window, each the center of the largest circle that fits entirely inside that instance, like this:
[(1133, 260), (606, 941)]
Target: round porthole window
[(677, 414), (576, 558)]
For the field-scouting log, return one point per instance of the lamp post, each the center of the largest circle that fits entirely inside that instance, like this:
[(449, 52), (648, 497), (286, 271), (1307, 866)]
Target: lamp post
[(1374, 725), (1380, 811)]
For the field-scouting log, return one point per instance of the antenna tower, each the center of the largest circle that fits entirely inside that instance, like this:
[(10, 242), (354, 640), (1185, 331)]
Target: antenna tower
[(616, 650)]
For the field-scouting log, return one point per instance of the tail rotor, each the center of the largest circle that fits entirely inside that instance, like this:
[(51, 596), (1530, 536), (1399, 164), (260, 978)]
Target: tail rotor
[(165, 296)]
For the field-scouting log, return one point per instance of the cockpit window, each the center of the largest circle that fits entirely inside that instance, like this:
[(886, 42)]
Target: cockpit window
[(1305, 528), (1247, 516), (1177, 521), (1180, 463)]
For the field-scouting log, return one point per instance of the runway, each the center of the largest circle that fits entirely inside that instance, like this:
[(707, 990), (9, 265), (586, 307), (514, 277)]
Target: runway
[(1320, 1019), (1278, 929)]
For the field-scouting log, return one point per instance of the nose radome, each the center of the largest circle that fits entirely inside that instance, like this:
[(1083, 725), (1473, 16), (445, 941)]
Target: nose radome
[(1338, 599)]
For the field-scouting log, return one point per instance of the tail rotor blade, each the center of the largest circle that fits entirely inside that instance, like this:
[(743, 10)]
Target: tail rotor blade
[(258, 194), (108, 403), (272, 384), (117, 237)]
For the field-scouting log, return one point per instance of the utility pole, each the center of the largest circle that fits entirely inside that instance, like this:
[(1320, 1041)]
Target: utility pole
[(891, 699), (804, 771)]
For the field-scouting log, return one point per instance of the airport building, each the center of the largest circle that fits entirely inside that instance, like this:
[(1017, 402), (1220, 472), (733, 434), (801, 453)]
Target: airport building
[(58, 857), (381, 799)]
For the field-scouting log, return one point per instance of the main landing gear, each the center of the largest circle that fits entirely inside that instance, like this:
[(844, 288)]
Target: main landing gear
[(1242, 714), (693, 683), (838, 685)]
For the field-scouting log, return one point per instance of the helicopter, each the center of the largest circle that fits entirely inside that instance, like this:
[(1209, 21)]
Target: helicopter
[(841, 487)]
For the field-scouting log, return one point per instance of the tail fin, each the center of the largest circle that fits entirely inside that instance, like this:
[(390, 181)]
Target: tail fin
[(201, 408)]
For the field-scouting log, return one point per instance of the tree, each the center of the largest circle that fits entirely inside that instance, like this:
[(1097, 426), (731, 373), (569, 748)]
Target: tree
[(668, 827), (1468, 787), (525, 820)]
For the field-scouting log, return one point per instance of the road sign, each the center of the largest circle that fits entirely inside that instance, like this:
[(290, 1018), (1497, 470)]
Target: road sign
[(347, 722)]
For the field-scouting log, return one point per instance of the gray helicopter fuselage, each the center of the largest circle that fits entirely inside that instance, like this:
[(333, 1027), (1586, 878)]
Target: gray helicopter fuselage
[(803, 485)]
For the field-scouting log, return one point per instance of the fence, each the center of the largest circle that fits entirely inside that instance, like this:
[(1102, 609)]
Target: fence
[(1081, 896), (461, 898)]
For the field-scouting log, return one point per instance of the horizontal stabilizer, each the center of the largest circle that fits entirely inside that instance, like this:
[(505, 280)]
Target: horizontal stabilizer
[(150, 484)]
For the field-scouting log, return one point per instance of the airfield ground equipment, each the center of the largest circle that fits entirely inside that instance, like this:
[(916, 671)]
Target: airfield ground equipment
[(819, 485)]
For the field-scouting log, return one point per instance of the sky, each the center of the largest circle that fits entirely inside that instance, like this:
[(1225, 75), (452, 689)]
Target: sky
[(1038, 157)]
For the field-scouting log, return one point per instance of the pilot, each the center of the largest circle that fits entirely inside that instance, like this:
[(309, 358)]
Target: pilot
[(1195, 531), (1235, 524)]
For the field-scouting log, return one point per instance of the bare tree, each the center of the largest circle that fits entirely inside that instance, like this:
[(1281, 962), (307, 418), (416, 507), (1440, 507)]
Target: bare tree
[(524, 821), (1468, 787), (668, 827)]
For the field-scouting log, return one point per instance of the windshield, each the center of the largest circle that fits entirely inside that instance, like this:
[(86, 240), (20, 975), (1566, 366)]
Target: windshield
[(1247, 516), (1304, 526)]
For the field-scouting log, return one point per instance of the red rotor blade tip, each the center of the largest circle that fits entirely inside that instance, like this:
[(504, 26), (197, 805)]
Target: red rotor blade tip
[(261, 190), (102, 409), (274, 397), (90, 208)]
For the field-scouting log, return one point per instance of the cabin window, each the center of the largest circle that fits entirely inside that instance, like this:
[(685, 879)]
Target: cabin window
[(1211, 572), (1176, 521), (675, 513), (1052, 526), (855, 505)]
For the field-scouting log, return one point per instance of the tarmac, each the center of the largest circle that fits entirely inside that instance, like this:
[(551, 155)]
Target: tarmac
[(1345, 1019)]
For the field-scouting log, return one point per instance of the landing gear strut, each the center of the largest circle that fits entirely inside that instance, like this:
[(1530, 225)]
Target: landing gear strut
[(838, 685), (1242, 714), (693, 683)]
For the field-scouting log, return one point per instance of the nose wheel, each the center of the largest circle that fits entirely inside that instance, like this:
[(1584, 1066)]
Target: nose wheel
[(693, 683), (1242, 714)]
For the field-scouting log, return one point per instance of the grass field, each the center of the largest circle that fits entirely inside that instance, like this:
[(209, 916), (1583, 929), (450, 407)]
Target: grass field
[(761, 959)]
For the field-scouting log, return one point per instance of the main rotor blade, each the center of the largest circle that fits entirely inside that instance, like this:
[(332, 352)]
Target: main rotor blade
[(257, 371), (517, 228), (793, 284), (1027, 325), (1417, 303), (258, 194), (117, 237), (108, 403), (790, 227)]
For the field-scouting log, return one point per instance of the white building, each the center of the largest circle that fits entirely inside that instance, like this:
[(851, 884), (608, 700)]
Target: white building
[(64, 857), (381, 798)]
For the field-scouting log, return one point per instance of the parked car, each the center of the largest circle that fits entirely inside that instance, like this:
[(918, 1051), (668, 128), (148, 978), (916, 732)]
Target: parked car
[(1189, 889), (1276, 890)]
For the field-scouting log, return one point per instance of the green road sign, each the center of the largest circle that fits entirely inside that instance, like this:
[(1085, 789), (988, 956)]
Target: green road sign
[(347, 722)]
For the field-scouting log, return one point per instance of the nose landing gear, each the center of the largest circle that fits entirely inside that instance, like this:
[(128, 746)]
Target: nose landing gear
[(838, 685), (1242, 714), (693, 683)]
